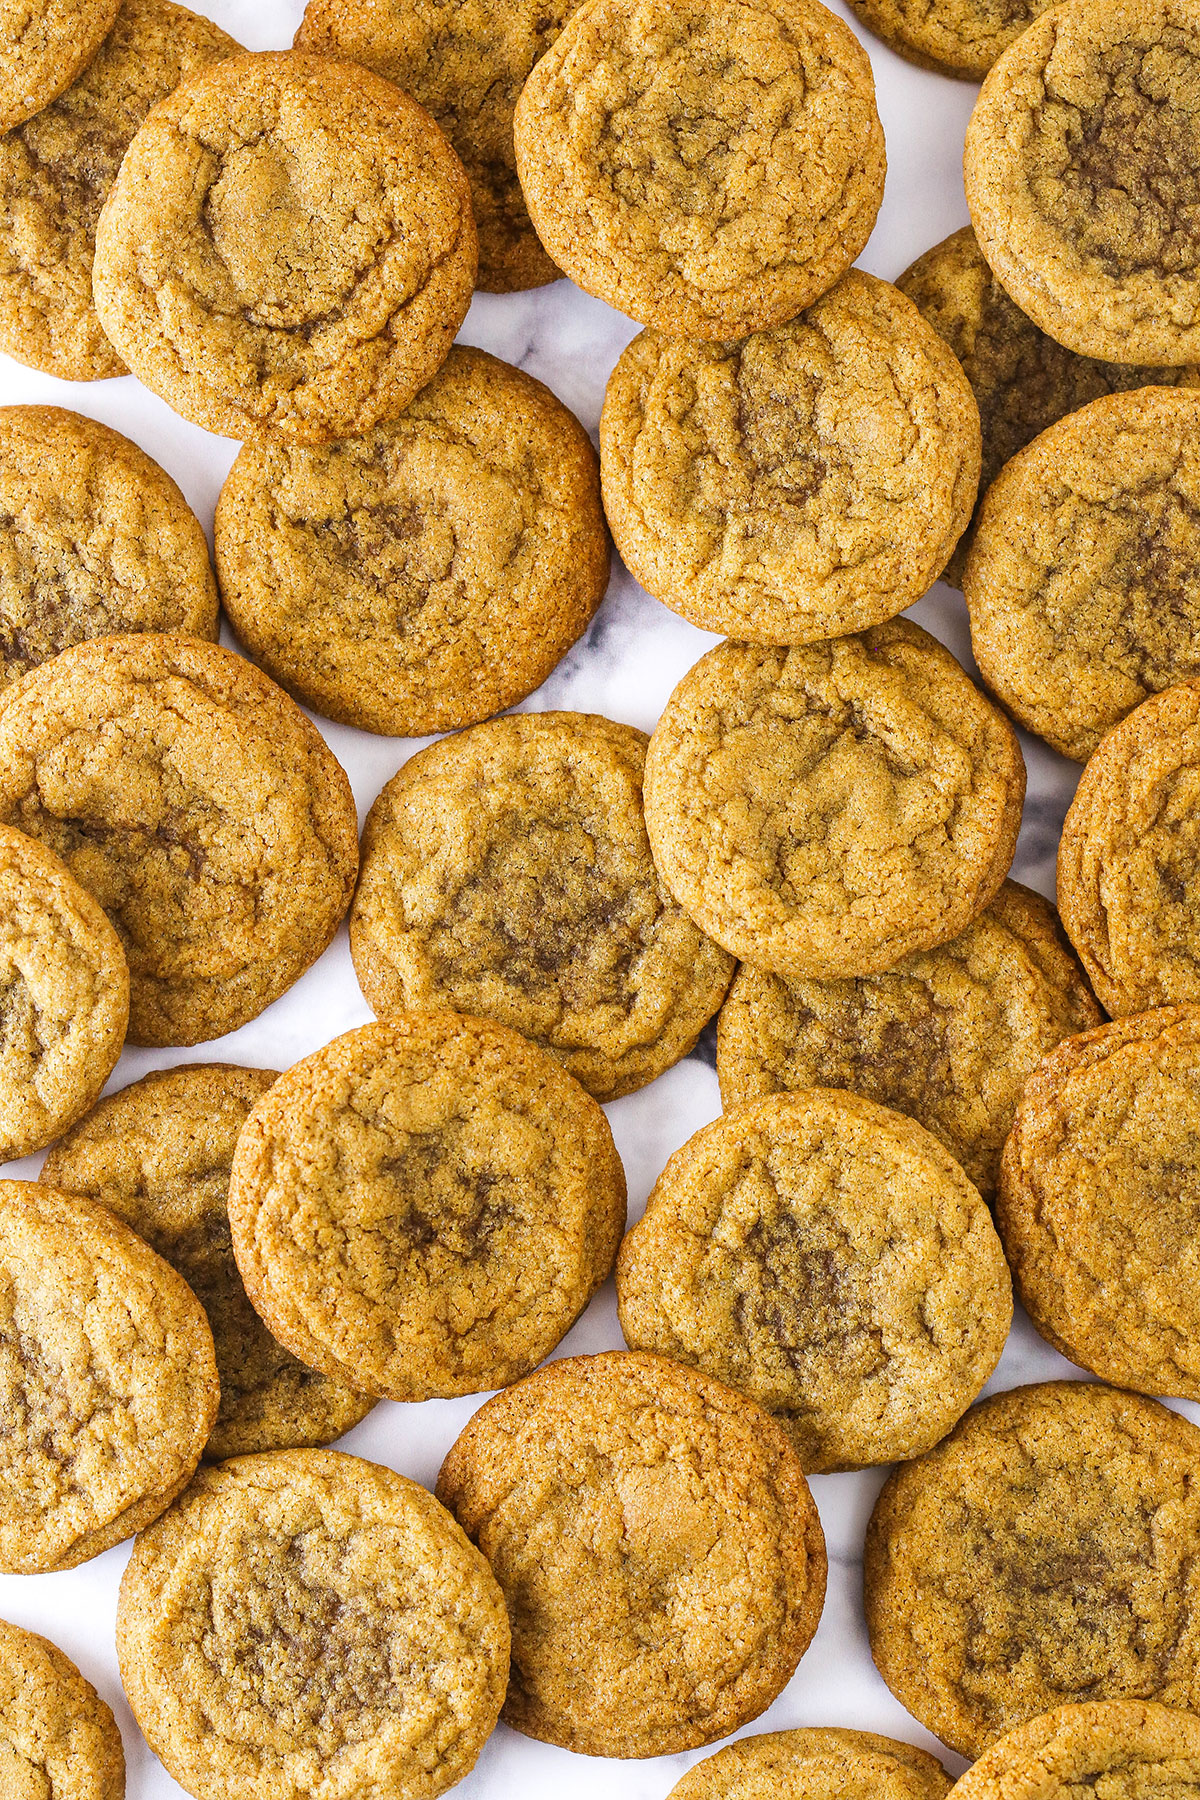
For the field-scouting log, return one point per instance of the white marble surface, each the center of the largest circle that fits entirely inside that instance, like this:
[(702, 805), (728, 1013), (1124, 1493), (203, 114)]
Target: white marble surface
[(625, 667)]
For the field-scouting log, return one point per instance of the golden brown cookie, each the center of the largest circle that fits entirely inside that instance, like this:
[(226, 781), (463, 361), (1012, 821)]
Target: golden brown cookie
[(58, 1739), (955, 37), (44, 45), (1046, 1552), (158, 1155), (507, 873), (108, 1385), (1081, 177), (429, 573), (658, 1548), (1123, 1749), (815, 1763), (832, 809), (804, 482), (708, 166), (827, 1257), (306, 1623), (196, 802)]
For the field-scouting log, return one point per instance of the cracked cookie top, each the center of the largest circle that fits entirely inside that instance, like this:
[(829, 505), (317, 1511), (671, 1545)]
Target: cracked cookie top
[(815, 1763), (58, 1739), (44, 44), (289, 247), (708, 166), (955, 37), (1083, 177), (1124, 1749)]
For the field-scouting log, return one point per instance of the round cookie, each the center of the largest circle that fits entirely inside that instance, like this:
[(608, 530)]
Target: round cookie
[(815, 1763), (58, 1739), (288, 247), (424, 1208), (658, 1548), (1124, 1749), (948, 1037), (199, 806), (108, 1385), (955, 37), (827, 1257), (1080, 170), (158, 1154), (429, 573), (307, 1623), (829, 810), (708, 166), (466, 62), (804, 482), (1044, 1553), (44, 44), (55, 171), (507, 873)]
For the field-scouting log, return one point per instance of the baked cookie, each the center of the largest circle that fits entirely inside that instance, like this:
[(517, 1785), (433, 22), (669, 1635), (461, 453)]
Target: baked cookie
[(465, 61), (830, 810), (429, 573), (1080, 170), (708, 166), (1124, 1749), (108, 1385), (307, 1623), (44, 45), (288, 247), (815, 1763), (657, 1545), (424, 1208), (807, 481), (58, 1739), (158, 1155), (827, 1257), (199, 806), (949, 1036), (55, 171), (507, 873), (954, 37), (1046, 1552)]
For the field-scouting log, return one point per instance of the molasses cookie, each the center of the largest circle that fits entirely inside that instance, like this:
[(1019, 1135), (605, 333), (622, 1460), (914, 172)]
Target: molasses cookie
[(815, 1763), (708, 166), (807, 481), (44, 45), (429, 573), (657, 1545), (1124, 1749), (955, 37), (288, 247), (832, 809), (507, 873), (58, 1739)]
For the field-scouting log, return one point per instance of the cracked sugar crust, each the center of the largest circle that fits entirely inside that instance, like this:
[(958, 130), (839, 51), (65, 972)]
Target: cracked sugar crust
[(658, 1548), (44, 45), (289, 247), (827, 1257), (708, 166), (309, 1626), (815, 1763), (108, 1385), (425, 1207), (832, 809), (507, 873), (201, 808), (948, 1037), (465, 61), (805, 482), (1097, 1204), (1083, 177), (158, 1154), (955, 37), (1046, 1552), (429, 573), (57, 168), (58, 1739), (1126, 1749)]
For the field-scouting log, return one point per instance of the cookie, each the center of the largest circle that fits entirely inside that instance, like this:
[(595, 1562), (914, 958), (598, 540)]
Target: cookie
[(827, 1257), (707, 166), (429, 573), (815, 1763), (58, 1739), (57, 168), (657, 1545), (424, 1208), (466, 62), (199, 806), (832, 809), (1126, 1749), (108, 1385), (507, 873), (308, 1623), (1081, 177), (44, 45), (954, 37), (158, 1155), (807, 481), (1045, 1553), (949, 1036), (288, 248)]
